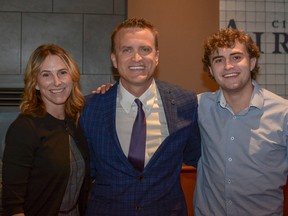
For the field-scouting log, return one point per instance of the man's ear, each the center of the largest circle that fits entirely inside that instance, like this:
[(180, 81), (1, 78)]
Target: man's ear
[(157, 57), (252, 63), (114, 60)]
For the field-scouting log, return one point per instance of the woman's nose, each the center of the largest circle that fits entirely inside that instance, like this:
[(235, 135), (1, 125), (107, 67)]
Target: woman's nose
[(57, 81)]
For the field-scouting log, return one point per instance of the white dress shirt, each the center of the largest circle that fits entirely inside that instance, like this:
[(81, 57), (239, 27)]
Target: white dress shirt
[(126, 111)]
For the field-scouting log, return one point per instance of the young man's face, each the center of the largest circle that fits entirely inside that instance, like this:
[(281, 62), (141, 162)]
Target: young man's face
[(231, 67), (135, 57)]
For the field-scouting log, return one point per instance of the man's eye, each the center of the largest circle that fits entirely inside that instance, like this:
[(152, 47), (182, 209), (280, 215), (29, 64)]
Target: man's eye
[(126, 50), (145, 51)]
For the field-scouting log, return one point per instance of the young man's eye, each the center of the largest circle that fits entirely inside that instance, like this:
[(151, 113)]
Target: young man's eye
[(237, 57), (218, 60)]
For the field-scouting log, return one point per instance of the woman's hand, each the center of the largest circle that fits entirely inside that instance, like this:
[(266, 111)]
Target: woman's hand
[(103, 88)]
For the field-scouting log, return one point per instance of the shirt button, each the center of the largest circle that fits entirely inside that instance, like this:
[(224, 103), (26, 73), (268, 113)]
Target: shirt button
[(230, 159), (232, 138), (234, 117), (229, 181), (137, 208)]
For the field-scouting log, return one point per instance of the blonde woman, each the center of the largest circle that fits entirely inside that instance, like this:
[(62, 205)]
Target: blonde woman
[(45, 162)]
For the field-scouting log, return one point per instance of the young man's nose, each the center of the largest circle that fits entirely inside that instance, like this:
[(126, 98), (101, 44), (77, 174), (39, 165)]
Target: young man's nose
[(228, 64)]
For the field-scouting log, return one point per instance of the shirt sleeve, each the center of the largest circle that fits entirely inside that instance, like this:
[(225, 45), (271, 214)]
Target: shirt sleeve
[(192, 151), (18, 158)]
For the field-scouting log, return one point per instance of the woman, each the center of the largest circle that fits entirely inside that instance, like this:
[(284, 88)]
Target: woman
[(45, 162)]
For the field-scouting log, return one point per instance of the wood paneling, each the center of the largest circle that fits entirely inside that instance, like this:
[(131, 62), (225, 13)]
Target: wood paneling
[(188, 181)]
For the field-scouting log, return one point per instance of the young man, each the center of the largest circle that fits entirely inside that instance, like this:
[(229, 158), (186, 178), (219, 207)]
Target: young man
[(152, 186), (244, 162)]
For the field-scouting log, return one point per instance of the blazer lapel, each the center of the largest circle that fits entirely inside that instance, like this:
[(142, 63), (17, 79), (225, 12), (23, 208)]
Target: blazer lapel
[(109, 112), (169, 104), (110, 124)]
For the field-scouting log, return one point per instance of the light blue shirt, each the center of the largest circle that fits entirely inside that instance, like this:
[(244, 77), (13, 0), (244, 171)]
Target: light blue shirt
[(244, 160)]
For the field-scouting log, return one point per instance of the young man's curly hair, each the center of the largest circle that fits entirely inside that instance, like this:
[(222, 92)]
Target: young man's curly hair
[(226, 38)]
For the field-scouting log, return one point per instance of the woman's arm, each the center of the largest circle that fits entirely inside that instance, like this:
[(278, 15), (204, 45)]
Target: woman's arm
[(17, 163)]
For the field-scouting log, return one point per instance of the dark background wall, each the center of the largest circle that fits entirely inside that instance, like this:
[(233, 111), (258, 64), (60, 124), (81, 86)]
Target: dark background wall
[(81, 27)]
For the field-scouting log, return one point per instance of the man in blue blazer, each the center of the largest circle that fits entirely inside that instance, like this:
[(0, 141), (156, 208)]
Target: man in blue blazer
[(172, 133)]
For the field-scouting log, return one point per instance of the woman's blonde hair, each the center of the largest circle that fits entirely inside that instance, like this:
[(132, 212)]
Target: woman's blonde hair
[(32, 103)]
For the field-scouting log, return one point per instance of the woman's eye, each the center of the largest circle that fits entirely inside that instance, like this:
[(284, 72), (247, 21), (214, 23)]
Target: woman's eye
[(63, 72), (45, 74)]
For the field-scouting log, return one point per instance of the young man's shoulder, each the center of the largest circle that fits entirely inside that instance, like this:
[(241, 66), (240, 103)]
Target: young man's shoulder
[(274, 98), (208, 95)]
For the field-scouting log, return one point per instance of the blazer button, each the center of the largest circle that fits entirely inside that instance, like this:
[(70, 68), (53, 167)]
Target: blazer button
[(137, 208), (140, 178)]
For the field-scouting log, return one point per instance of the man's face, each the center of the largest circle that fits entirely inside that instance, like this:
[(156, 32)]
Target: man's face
[(231, 68), (136, 58)]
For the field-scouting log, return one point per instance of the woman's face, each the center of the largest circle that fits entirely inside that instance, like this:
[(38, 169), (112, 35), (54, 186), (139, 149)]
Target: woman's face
[(55, 83)]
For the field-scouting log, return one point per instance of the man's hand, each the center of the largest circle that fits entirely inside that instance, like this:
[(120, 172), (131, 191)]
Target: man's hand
[(103, 88)]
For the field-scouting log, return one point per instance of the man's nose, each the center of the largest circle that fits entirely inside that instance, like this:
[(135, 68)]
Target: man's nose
[(136, 56)]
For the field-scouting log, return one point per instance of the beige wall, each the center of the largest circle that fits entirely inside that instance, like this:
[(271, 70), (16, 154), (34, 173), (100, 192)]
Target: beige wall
[(183, 25)]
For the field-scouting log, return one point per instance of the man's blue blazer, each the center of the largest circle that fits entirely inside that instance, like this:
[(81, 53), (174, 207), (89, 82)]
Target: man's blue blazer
[(121, 190)]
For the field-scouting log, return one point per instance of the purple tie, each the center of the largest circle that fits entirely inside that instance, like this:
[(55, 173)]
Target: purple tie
[(136, 154)]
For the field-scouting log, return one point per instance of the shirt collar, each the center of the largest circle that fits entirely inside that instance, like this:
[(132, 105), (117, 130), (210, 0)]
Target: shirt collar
[(126, 99), (257, 99)]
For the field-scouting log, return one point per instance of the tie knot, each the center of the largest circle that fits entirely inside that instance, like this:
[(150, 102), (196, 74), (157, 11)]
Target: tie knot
[(138, 102)]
